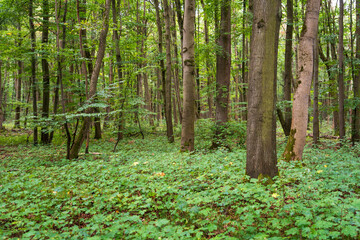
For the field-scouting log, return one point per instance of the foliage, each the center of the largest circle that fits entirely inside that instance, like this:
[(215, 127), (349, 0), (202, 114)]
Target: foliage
[(148, 190)]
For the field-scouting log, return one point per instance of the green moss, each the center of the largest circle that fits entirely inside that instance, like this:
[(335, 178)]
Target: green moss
[(289, 153)]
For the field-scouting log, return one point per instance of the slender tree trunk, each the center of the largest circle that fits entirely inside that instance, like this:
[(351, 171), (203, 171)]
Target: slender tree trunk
[(244, 65), (18, 91), (356, 84), (223, 64), (188, 123), (316, 125), (288, 66), (296, 140), (45, 136), (341, 86), (74, 152), (261, 124), (176, 69), (167, 83), (33, 69)]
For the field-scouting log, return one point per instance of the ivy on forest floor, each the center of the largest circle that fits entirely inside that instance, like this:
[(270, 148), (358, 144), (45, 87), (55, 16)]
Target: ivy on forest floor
[(149, 190)]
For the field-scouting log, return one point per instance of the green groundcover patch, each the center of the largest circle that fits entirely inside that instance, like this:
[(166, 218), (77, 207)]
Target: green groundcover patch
[(147, 189)]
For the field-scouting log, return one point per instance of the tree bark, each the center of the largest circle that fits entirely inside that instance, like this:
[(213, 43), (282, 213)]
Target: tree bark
[(188, 123), (296, 141), (261, 124), (18, 91), (356, 84), (33, 70), (74, 152), (223, 64), (45, 136), (341, 86), (316, 125), (167, 83), (288, 66)]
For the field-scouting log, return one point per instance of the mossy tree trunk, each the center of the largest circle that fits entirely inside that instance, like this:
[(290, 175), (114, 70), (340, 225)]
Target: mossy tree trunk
[(356, 84), (261, 119), (296, 141)]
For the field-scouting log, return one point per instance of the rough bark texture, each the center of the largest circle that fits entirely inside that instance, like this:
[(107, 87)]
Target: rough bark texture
[(356, 85), (341, 86), (288, 66), (33, 68), (296, 140), (223, 64), (167, 84), (261, 125), (187, 133), (74, 152)]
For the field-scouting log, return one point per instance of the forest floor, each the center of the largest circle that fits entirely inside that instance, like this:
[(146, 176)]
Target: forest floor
[(147, 189)]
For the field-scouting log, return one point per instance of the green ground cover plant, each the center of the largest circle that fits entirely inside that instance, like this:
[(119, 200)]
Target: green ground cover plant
[(147, 189)]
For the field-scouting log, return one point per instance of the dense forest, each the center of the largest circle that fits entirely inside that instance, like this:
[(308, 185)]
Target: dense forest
[(183, 119)]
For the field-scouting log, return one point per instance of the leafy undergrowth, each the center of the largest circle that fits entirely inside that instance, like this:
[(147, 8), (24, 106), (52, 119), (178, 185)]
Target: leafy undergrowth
[(149, 190)]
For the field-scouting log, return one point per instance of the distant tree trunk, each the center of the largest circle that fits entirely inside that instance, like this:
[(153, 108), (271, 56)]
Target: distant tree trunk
[(296, 141), (188, 123), (244, 64), (74, 152), (207, 63), (45, 136), (176, 72), (316, 125), (33, 69), (161, 73), (119, 66), (341, 86), (356, 84), (167, 83), (223, 64), (288, 66), (18, 91), (261, 124)]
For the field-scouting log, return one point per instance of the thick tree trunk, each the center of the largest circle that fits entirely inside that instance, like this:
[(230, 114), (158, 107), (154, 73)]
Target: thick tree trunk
[(188, 123), (296, 141), (261, 124), (45, 136), (356, 85), (223, 64), (33, 69), (341, 86), (74, 152)]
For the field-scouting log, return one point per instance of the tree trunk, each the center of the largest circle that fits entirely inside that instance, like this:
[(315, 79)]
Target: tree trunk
[(288, 66), (33, 69), (296, 141), (261, 124), (167, 83), (316, 125), (74, 152), (341, 86), (18, 92), (188, 123), (223, 64), (356, 85), (45, 136)]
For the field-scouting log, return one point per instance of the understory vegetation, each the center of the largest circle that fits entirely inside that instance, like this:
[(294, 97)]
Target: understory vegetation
[(147, 189)]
